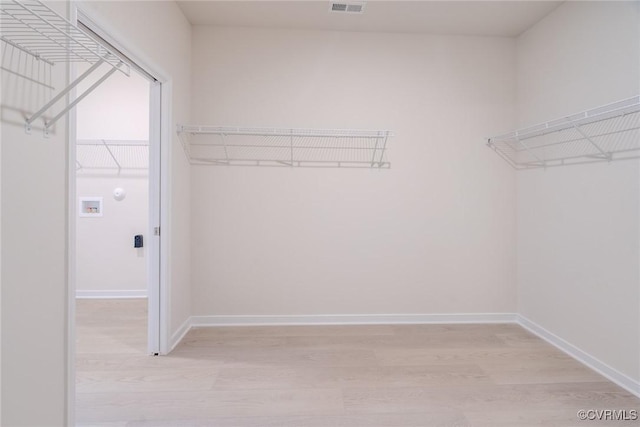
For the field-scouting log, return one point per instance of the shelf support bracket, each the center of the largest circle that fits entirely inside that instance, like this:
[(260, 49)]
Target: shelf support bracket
[(65, 91), (224, 142), (62, 93), (112, 156), (384, 147), (602, 154), (375, 148), (80, 98), (291, 145), (183, 137)]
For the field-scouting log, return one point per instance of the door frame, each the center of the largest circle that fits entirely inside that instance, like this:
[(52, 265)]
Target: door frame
[(158, 295)]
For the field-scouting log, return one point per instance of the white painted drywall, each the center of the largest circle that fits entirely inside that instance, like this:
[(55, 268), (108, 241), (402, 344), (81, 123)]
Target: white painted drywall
[(105, 257), (1, 384), (34, 254), (434, 234), (158, 34), (578, 246), (117, 109)]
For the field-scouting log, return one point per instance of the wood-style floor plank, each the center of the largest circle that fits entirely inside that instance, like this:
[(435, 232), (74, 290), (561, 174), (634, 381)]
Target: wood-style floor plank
[(348, 376), (145, 379), (432, 419), (167, 405), (320, 376)]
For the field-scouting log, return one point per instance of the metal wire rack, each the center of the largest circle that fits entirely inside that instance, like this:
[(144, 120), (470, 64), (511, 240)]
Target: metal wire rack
[(112, 157), (607, 133), (237, 146), (37, 30)]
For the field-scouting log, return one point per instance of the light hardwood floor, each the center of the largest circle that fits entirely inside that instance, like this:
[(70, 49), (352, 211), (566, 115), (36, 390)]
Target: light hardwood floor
[(322, 376)]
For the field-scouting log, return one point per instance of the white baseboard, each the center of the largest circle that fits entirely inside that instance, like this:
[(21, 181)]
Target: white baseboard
[(334, 319), (352, 319), (178, 335), (624, 381), (608, 372), (111, 294)]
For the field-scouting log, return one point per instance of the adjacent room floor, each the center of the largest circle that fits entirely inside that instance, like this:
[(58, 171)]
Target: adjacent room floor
[(320, 376)]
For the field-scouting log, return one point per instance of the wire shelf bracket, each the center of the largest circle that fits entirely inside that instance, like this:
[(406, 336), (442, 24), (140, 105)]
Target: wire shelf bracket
[(603, 134), (33, 28), (285, 147)]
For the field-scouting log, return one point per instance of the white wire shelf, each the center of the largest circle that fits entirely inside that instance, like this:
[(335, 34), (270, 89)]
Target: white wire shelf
[(112, 157), (607, 133), (35, 29), (238, 146), (41, 32)]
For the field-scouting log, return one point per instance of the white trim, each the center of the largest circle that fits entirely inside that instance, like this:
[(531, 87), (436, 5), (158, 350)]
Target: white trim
[(154, 208), (109, 294), (352, 319), (105, 29), (180, 334), (166, 173), (159, 313), (624, 381)]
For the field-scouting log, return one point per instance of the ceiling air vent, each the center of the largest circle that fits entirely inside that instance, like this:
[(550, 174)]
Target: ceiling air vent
[(343, 7)]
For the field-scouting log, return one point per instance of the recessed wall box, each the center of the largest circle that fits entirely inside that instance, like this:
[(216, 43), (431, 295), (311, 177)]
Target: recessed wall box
[(90, 206)]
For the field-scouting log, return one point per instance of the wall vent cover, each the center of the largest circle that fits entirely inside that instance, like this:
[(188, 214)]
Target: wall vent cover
[(343, 7)]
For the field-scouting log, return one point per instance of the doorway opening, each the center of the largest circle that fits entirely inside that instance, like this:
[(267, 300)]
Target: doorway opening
[(115, 243), (112, 224)]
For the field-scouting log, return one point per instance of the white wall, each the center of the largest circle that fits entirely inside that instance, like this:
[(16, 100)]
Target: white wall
[(117, 109), (578, 227), (158, 34), (106, 259), (2, 91), (34, 256), (434, 234)]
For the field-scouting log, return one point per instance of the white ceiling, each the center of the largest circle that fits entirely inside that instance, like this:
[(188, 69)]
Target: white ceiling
[(485, 18)]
